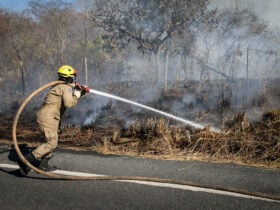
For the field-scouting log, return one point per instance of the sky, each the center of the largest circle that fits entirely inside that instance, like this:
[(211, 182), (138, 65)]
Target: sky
[(16, 5), (266, 9)]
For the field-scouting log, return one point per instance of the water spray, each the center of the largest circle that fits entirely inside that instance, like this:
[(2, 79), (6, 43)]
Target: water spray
[(187, 122), (135, 178), (86, 89)]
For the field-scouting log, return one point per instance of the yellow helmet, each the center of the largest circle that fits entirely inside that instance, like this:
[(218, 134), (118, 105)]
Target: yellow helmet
[(67, 71)]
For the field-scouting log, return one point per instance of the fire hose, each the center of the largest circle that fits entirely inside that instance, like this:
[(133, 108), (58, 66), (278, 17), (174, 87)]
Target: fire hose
[(107, 177)]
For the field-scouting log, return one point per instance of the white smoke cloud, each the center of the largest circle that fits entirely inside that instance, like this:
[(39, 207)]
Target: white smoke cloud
[(267, 10)]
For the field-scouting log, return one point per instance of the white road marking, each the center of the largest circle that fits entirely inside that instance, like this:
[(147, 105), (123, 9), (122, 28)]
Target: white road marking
[(3, 165), (74, 173), (156, 184)]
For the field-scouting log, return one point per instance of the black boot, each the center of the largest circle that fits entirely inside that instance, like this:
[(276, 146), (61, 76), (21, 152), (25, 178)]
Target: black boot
[(24, 169), (44, 165)]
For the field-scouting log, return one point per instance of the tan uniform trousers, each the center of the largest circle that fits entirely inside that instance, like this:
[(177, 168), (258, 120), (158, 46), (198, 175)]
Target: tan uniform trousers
[(45, 149), (59, 98)]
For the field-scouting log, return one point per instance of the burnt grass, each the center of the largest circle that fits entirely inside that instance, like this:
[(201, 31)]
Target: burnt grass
[(256, 143), (240, 140)]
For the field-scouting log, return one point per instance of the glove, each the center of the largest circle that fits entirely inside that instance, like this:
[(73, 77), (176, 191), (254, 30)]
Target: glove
[(82, 88), (78, 86), (77, 93), (85, 90)]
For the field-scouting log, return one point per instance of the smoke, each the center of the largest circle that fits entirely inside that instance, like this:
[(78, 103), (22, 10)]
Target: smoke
[(91, 117), (267, 10), (238, 54), (189, 99)]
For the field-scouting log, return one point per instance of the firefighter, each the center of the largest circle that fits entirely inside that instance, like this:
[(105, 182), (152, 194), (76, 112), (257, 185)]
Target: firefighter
[(59, 97)]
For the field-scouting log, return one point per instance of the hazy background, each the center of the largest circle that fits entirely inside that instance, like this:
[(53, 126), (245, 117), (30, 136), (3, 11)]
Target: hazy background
[(230, 62), (265, 9)]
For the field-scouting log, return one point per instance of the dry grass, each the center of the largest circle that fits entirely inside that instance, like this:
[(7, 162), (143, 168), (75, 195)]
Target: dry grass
[(241, 141)]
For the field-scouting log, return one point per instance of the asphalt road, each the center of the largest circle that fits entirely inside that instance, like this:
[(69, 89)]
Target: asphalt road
[(39, 192)]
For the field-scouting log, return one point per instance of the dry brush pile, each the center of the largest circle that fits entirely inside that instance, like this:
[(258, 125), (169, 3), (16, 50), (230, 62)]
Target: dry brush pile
[(240, 140)]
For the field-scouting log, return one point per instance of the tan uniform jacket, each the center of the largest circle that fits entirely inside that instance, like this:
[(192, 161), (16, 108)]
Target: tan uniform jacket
[(57, 100)]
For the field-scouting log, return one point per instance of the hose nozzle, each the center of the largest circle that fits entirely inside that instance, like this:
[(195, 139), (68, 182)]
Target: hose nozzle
[(83, 88)]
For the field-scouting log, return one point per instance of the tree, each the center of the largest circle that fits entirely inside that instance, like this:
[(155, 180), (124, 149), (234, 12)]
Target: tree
[(55, 19), (17, 41), (146, 23), (221, 38)]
